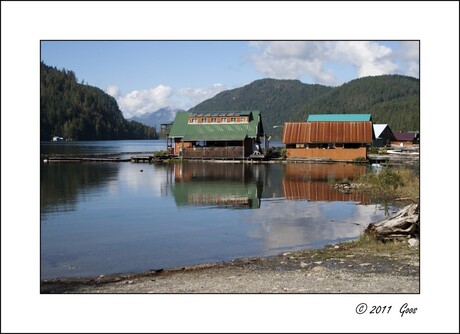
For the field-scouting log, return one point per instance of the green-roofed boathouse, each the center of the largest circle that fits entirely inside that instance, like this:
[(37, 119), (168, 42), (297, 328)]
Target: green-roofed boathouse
[(229, 134)]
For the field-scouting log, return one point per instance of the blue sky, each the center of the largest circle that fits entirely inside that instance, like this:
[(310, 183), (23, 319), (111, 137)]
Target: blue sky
[(145, 76)]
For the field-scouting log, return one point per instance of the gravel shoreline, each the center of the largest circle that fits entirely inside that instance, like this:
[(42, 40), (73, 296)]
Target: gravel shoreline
[(352, 267)]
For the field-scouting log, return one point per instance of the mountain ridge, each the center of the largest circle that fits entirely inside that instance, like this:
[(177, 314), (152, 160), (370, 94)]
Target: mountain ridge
[(156, 118), (390, 99), (82, 112)]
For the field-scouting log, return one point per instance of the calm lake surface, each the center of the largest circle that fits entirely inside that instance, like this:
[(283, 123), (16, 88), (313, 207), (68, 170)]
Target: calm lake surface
[(109, 217)]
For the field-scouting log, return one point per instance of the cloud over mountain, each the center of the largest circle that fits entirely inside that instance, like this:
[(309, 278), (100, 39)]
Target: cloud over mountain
[(141, 102), (297, 59)]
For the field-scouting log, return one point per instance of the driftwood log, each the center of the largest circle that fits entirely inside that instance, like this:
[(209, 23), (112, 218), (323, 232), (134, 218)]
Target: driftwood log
[(403, 224)]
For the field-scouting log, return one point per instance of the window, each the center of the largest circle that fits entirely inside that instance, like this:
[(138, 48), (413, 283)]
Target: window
[(193, 120), (213, 120), (233, 119), (203, 120), (223, 120)]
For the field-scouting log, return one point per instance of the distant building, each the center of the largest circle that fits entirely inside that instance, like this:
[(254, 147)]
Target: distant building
[(217, 134), (337, 137), (383, 135), (406, 139)]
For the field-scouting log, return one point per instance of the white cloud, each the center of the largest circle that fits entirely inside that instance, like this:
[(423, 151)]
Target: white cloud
[(413, 69), (291, 60), (140, 102), (369, 58), (282, 224), (113, 91), (410, 50), (410, 58), (190, 97), (296, 59)]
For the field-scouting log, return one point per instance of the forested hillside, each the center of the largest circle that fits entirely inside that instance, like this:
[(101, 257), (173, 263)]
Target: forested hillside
[(80, 112), (391, 99), (277, 100)]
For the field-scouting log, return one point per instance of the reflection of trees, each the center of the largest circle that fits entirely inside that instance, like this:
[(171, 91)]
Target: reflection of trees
[(60, 183)]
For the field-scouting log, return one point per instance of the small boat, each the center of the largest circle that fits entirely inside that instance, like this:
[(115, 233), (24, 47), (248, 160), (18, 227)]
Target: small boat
[(376, 166), (57, 138)]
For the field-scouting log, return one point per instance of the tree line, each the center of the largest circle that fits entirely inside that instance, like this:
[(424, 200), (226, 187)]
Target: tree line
[(77, 111)]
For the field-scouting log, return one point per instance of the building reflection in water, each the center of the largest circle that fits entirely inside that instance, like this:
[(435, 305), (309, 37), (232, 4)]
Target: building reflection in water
[(241, 186), (221, 185), (311, 182)]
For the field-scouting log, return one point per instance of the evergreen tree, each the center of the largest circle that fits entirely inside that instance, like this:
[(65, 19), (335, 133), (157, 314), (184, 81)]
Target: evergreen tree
[(81, 112)]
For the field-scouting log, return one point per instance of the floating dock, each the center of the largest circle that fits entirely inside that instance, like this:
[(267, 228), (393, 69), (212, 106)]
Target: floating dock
[(68, 159), (142, 158), (151, 158)]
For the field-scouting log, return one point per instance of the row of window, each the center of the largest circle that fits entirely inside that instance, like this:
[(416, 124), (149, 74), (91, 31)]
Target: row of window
[(214, 120)]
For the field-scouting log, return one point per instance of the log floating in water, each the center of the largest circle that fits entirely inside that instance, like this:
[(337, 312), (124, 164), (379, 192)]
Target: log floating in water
[(405, 223)]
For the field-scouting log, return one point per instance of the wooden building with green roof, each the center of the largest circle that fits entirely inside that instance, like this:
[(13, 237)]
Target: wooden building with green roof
[(227, 134)]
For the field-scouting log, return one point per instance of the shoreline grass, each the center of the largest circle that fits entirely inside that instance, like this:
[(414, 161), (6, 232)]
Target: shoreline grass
[(390, 184)]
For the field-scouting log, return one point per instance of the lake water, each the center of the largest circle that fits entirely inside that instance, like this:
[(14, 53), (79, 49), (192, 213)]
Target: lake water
[(110, 217)]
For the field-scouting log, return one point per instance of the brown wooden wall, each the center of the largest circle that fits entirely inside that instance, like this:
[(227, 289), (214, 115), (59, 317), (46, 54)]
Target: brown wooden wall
[(188, 151), (327, 132), (336, 154), (178, 145), (214, 152)]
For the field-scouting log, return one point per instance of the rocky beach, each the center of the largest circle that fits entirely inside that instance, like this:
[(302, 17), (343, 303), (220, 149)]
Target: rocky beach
[(351, 267)]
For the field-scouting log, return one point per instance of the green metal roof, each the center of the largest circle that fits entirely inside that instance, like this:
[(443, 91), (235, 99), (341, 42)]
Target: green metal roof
[(180, 124), (215, 131), (340, 118)]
